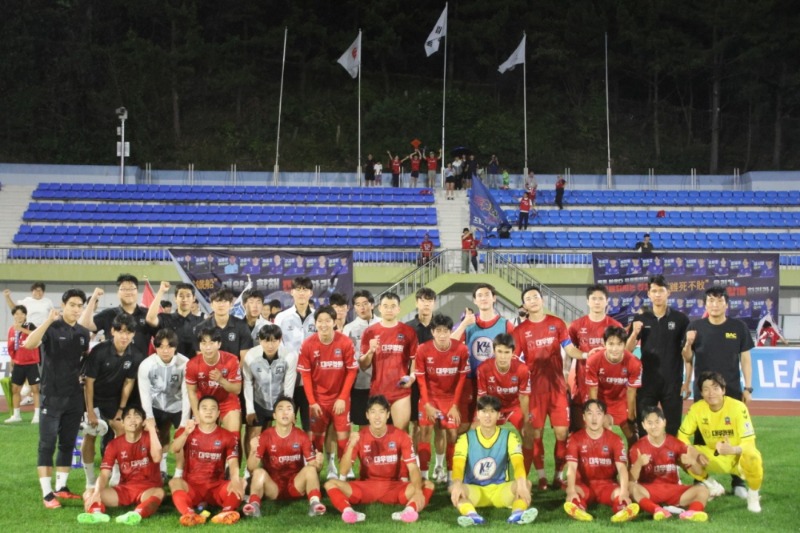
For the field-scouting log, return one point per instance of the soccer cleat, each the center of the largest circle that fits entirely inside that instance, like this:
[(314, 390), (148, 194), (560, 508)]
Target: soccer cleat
[(93, 518), (225, 517), (523, 517), (27, 400), (35, 419), (557, 484), (407, 515), (131, 518), (51, 503), (715, 489), (471, 519), (577, 513), (661, 514), (64, 494), (543, 485), (740, 492), (13, 420), (316, 508), (694, 516), (192, 519), (333, 472), (439, 474), (351, 475), (628, 513), (252, 509), (350, 516), (753, 501)]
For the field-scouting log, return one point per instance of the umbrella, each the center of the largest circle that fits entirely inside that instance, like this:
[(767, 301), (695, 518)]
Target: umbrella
[(461, 150)]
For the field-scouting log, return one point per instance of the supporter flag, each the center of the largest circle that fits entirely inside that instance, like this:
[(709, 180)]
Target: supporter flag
[(351, 59), (237, 309), (148, 295), (516, 58), (438, 31), (484, 211), (772, 321)]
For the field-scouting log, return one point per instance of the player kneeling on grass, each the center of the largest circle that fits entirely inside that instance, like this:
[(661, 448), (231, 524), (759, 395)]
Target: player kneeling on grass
[(482, 463), (596, 469), (730, 439), (612, 375), (207, 450), (138, 452), (382, 450), (283, 463), (655, 460)]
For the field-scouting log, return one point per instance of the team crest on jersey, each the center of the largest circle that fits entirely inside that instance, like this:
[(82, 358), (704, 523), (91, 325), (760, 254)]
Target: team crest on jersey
[(217, 443), (727, 421), (224, 371), (141, 321), (671, 455), (454, 359), (174, 379), (671, 326), (295, 445), (551, 328), (401, 337), (484, 469), (337, 352), (232, 336), (82, 341), (624, 371), (392, 445), (605, 449), (514, 379), (126, 365)]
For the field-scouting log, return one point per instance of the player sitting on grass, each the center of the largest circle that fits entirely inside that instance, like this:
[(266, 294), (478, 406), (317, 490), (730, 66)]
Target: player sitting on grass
[(730, 439), (655, 461), (207, 450), (138, 452), (596, 469), (382, 450), (283, 463), (482, 463)]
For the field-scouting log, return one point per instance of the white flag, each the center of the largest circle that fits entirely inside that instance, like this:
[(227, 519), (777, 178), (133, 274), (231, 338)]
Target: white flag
[(516, 58), (439, 31), (351, 59)]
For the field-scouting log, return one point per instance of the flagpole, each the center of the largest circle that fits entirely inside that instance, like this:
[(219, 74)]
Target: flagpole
[(280, 107), (525, 103), (444, 92), (608, 123), (361, 58)]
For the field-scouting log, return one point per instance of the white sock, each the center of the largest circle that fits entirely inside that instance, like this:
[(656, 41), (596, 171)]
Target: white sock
[(178, 472), (246, 474), (36, 412), (91, 477), (16, 412), (164, 464), (439, 459), (541, 473), (61, 480), (46, 484), (424, 474)]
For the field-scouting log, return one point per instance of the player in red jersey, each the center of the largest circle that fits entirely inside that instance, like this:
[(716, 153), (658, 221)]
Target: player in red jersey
[(215, 373), (389, 347), (508, 380), (138, 452), (441, 369), (208, 449), (383, 450), (283, 463), (328, 367), (586, 334), (613, 374), (655, 460), (596, 469), (539, 341)]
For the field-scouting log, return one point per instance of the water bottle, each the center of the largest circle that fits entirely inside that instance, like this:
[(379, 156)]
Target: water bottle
[(76, 453)]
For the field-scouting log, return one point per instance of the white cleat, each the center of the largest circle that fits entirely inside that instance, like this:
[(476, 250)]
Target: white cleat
[(753, 501), (715, 489)]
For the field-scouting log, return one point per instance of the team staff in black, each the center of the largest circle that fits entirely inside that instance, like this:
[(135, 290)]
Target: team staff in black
[(64, 343), (128, 293), (236, 337), (665, 375), (182, 321)]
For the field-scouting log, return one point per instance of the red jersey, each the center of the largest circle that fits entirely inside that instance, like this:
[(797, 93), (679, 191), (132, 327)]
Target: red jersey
[(613, 379), (433, 162), (427, 248), (766, 337), (197, 371), (525, 204), (392, 359), (415, 164), (507, 386), (466, 242), (382, 457), (539, 344), (586, 335), (135, 463), (20, 355), (284, 457), (441, 373), (328, 366), (596, 458), (396, 166), (207, 454), (664, 460)]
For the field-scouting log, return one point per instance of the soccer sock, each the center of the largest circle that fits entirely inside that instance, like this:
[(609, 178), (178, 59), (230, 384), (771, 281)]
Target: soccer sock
[(560, 454), (36, 412), (697, 506), (341, 446), (231, 502), (424, 454), (427, 493), (91, 477), (254, 498), (617, 505), (97, 507), (527, 457), (47, 485), (61, 479), (178, 472), (439, 459), (164, 464), (314, 494), (318, 441), (338, 499), (148, 507), (466, 508), (648, 505), (182, 502), (538, 455), (451, 449), (518, 505), (16, 412)]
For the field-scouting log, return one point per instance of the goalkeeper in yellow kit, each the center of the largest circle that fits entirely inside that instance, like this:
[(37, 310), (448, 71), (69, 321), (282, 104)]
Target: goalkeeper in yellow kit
[(730, 439)]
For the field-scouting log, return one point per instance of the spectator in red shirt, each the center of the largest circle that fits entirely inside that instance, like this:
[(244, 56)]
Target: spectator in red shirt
[(426, 250), (433, 165), (524, 211), (416, 159), (397, 166), (24, 363), (561, 183)]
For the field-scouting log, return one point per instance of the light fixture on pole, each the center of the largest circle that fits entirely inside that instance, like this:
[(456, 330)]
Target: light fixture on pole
[(123, 148)]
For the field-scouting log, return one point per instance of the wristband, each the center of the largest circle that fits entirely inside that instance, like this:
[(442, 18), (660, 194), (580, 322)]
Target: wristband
[(585, 355)]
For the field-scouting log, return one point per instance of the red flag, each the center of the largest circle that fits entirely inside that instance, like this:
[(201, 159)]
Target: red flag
[(147, 298)]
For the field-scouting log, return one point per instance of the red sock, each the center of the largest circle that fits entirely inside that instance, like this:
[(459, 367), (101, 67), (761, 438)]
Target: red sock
[(97, 508), (697, 506), (315, 493), (648, 505), (413, 505), (577, 501), (341, 445), (538, 453), (450, 450), (231, 502), (527, 457), (148, 507), (182, 502), (319, 442), (560, 454), (424, 454), (338, 499), (617, 505), (254, 498), (427, 493)]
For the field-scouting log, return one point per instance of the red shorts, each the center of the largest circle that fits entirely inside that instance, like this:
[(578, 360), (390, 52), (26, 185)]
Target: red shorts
[(379, 491), (213, 494), (666, 493), (131, 493), (598, 491), (443, 405), (286, 488), (341, 423), (228, 405), (467, 402), (553, 404), (618, 411)]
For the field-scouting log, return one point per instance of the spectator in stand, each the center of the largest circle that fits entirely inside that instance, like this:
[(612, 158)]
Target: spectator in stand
[(493, 170), (24, 363), (378, 167), (433, 165), (470, 171), (369, 172), (397, 167), (644, 246), (767, 335), (458, 170), (561, 184), (524, 211), (473, 252), (506, 180), (449, 182), (416, 159), (530, 182), (425, 250)]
